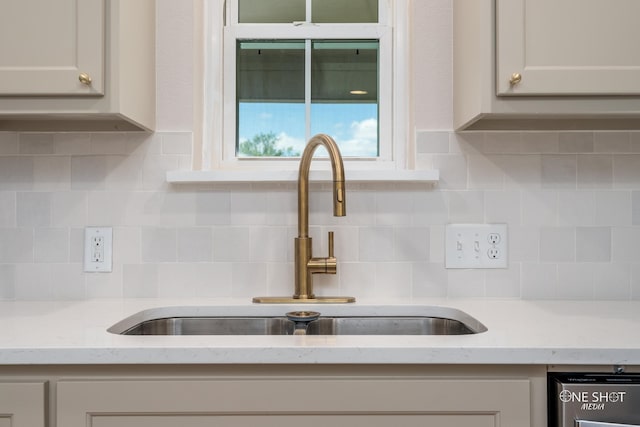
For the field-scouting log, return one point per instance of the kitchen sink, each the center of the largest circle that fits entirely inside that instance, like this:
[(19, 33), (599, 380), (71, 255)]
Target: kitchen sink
[(463, 324)]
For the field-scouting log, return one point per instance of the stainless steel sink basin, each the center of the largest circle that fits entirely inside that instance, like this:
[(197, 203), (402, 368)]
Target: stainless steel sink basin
[(324, 325), (213, 326), (388, 326)]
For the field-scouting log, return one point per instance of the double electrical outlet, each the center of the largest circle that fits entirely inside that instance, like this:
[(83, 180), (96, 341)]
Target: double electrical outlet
[(98, 249), (476, 246)]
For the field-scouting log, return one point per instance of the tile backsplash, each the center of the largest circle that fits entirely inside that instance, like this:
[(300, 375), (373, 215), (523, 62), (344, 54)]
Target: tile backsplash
[(571, 201)]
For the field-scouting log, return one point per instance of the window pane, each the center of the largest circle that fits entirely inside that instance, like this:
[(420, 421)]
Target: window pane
[(341, 11), (270, 97), (271, 11), (344, 94)]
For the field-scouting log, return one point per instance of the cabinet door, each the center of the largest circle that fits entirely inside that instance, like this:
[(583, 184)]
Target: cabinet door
[(568, 47), (291, 403), (22, 404), (47, 44)]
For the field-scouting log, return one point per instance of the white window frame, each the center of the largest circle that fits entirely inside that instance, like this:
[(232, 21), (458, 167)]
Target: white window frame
[(214, 87)]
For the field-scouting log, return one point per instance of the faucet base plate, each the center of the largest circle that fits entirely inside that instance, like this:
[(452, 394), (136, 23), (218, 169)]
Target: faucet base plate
[(291, 300)]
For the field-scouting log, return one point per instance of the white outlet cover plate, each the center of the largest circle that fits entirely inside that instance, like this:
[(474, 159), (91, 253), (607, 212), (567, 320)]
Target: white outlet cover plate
[(106, 266), (469, 246)]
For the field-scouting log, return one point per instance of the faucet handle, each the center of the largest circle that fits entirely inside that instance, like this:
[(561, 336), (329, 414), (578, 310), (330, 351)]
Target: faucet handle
[(331, 244)]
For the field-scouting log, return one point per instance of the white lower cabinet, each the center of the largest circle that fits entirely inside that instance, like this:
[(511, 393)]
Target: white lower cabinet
[(22, 404), (367, 398)]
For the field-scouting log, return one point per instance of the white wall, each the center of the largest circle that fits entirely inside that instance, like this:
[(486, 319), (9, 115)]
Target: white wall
[(571, 201)]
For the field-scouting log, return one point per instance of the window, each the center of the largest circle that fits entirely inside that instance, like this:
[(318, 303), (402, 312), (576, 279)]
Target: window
[(279, 71)]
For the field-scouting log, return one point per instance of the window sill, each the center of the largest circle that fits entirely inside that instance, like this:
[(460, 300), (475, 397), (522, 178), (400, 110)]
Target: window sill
[(219, 176)]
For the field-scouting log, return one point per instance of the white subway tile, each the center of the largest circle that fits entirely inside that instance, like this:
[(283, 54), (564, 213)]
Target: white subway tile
[(614, 208), (503, 283), (624, 244), (429, 280), (16, 173), (106, 143), (159, 244), (521, 171), (559, 171), (465, 283), (51, 245), (88, 172), (231, 244), (539, 208), (575, 281), (249, 280), (576, 142), (430, 207), (593, 244), (248, 208), (576, 208), (612, 281), (466, 142), (266, 244), (394, 208), (105, 285), (503, 207), (358, 280), (540, 142), (466, 206), (595, 171), (432, 142), (539, 281), (36, 143), (195, 244), (393, 280), (72, 143), (411, 243), (7, 209), (51, 173), (612, 142), (33, 209), (213, 208), (7, 282), (626, 171), (558, 244), (69, 208), (376, 244), (524, 244), (177, 143), (123, 172), (8, 143), (140, 280), (485, 172), (503, 142), (437, 243)]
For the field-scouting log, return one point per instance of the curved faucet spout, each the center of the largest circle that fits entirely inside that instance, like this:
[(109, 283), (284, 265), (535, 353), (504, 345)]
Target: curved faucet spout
[(337, 168)]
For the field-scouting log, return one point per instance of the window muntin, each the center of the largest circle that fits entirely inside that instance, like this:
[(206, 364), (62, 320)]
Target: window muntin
[(276, 110)]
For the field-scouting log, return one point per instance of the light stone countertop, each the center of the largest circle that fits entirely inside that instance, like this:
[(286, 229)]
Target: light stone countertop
[(519, 332)]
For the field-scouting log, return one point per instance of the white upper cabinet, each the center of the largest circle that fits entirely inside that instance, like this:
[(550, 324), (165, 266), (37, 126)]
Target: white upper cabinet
[(50, 46), (546, 64), (568, 47), (77, 65)]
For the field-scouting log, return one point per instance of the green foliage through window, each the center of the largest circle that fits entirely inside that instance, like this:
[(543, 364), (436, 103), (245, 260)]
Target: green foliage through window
[(265, 145)]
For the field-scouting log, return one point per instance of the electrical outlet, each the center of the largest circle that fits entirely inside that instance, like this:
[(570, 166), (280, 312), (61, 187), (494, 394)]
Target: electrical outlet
[(98, 244), (476, 246)]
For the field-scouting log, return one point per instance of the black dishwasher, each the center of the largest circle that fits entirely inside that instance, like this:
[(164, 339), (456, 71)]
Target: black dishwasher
[(594, 400)]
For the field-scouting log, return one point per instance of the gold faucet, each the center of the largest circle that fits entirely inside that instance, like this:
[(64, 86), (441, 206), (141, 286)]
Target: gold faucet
[(305, 264)]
